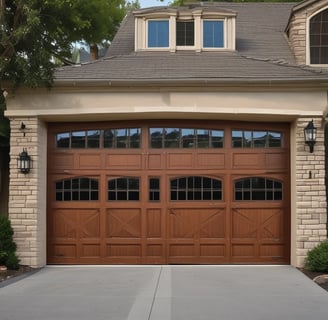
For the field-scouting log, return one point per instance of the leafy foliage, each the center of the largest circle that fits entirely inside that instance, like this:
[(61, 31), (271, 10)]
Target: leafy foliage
[(7, 245), (317, 258), (34, 32)]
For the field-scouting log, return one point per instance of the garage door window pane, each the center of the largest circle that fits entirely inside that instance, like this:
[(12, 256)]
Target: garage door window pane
[(172, 138), (122, 138), (256, 139), (257, 189), (93, 137), (124, 189), (185, 138), (63, 140), (77, 189), (195, 188), (78, 139), (154, 189)]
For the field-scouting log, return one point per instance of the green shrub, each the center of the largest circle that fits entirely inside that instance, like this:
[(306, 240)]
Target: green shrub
[(7, 245), (317, 258)]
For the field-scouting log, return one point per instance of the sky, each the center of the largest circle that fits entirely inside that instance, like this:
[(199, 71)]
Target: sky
[(152, 3)]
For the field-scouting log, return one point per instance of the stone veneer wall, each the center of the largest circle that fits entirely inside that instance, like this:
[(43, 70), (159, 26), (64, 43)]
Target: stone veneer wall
[(297, 30), (27, 192), (311, 206)]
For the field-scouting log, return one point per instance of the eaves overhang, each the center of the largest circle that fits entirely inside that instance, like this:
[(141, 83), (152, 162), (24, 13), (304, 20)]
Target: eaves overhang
[(321, 83)]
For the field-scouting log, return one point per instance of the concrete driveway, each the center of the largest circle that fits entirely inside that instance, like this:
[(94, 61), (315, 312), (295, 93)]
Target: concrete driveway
[(164, 293)]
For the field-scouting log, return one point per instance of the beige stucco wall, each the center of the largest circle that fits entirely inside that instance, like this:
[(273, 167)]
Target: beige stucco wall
[(28, 192)]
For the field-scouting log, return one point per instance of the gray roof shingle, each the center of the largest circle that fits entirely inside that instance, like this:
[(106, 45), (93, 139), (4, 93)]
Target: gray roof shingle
[(262, 53)]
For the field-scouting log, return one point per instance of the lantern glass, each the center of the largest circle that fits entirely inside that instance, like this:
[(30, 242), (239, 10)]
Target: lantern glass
[(24, 162)]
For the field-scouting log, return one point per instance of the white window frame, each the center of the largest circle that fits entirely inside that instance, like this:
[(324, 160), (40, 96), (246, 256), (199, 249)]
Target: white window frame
[(225, 35), (146, 35)]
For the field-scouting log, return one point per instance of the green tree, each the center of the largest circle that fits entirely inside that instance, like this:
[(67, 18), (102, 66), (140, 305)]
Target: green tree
[(37, 34)]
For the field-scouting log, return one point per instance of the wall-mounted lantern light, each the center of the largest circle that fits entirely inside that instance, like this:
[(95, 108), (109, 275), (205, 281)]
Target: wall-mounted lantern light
[(24, 162), (310, 135)]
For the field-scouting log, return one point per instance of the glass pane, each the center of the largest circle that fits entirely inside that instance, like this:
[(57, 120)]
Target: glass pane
[(75, 196), (185, 33), (247, 139), (188, 138), (121, 138), (112, 185), (78, 139), (203, 138), (94, 195), (122, 184), (213, 34), (67, 196), (62, 140), (237, 138), (109, 138), (154, 184), (59, 196), (158, 34), (182, 183), (275, 139), (259, 139), (172, 138), (258, 195), (122, 195), (93, 138), (258, 183), (133, 184), (67, 184), (135, 138), (84, 183), (217, 195), (112, 196), (59, 185), (75, 184), (156, 137), (133, 195), (217, 138)]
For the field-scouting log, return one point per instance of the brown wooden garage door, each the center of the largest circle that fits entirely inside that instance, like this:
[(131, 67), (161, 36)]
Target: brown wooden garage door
[(168, 192)]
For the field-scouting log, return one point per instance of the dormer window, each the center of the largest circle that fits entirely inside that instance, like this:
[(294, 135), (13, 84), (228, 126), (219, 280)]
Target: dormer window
[(318, 46), (198, 29), (158, 34), (185, 33), (213, 34)]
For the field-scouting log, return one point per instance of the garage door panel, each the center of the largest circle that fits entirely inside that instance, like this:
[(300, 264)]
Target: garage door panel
[(155, 223), (62, 161), (155, 161), (75, 224), (179, 160), (244, 223), (243, 251), (248, 160), (127, 250), (210, 160), (213, 250), (90, 250), (123, 223), (89, 161), (196, 223), (65, 251), (276, 161), (124, 161), (273, 250)]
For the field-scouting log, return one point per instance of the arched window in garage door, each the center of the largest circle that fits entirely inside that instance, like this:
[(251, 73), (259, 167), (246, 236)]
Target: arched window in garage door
[(77, 189), (258, 189), (195, 188)]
